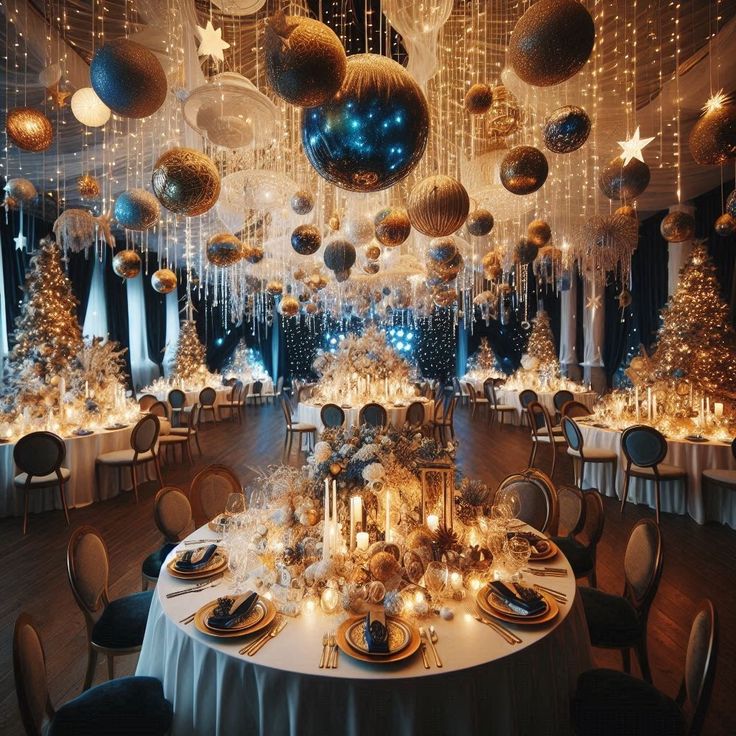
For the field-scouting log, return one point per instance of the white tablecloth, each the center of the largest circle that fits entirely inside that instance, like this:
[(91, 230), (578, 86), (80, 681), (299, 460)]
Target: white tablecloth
[(81, 488), (714, 505), (223, 393), (485, 687), (310, 413), (510, 397)]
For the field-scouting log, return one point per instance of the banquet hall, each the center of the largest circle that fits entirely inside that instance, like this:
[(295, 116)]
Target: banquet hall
[(368, 366)]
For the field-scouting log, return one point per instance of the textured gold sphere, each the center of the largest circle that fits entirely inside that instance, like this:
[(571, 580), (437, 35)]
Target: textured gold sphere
[(302, 202), (492, 265), (163, 281), (566, 129), (725, 225), (339, 255), (525, 252), (372, 252), (444, 297), (624, 299), (551, 42), (306, 239), (126, 264), (627, 211), (186, 181), (89, 187), (447, 271), (478, 99), (289, 306), (275, 287), (253, 253), (442, 250), (392, 226), (224, 249), (677, 227), (372, 267), (29, 129), (523, 170), (438, 205), (19, 190), (334, 222), (539, 232), (712, 139), (617, 181), (479, 222)]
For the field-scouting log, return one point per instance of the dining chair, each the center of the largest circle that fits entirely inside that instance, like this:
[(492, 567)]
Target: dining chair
[(535, 496), (443, 420), (177, 400), (142, 450), (645, 448), (256, 392), (581, 454), (494, 408), (526, 396), (457, 391), (160, 409), (610, 703), (332, 415), (559, 399), (415, 415), (114, 627), (145, 401), (295, 428), (372, 414), (234, 402), (620, 621), (191, 428), (172, 514), (722, 477), (171, 440), (304, 392), (128, 705), (575, 410), (39, 456), (274, 392), (543, 433), (207, 401), (209, 491), (475, 400)]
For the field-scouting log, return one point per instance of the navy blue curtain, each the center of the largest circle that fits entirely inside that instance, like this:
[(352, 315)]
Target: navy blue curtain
[(155, 304)]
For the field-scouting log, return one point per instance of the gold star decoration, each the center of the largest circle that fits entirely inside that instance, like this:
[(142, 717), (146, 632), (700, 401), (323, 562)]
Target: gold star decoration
[(715, 102), (103, 223), (59, 96), (633, 147), (210, 42), (594, 302)]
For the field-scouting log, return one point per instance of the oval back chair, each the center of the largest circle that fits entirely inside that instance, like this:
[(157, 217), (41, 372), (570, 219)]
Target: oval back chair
[(145, 401), (207, 401), (372, 414), (209, 492), (575, 409), (561, 398), (160, 409), (536, 498), (331, 415), (415, 415)]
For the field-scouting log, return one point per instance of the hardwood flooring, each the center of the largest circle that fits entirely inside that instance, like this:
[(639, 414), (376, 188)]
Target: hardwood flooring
[(698, 562)]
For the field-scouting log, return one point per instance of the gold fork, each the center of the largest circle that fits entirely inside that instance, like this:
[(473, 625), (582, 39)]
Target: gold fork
[(272, 634), (325, 642)]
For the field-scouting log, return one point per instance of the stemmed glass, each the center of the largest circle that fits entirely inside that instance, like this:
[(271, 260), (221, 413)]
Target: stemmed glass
[(435, 578), (235, 504), (518, 550)]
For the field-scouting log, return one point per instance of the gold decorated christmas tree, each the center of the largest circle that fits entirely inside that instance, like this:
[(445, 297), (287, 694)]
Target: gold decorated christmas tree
[(483, 359), (189, 362), (541, 345)]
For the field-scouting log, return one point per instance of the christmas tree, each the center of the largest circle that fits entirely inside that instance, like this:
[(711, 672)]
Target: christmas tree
[(483, 360), (189, 362), (245, 364), (541, 345)]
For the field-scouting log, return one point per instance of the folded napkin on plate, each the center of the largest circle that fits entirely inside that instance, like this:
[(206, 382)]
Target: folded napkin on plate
[(195, 559), (376, 632), (519, 599), (230, 612), (538, 544)]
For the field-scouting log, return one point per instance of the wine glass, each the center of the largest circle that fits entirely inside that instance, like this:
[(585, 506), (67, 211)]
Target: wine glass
[(518, 551), (435, 578), (237, 560), (235, 504)]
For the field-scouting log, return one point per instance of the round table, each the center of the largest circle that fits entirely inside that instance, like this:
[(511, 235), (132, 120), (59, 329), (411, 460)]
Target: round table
[(715, 505), (485, 686), (510, 397), (309, 413)]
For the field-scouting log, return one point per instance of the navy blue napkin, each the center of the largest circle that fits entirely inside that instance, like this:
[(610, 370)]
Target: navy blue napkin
[(195, 559), (522, 600), (376, 632), (231, 612)]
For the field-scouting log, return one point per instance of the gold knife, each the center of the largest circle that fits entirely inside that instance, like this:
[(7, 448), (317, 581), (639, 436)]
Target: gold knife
[(424, 656), (272, 634)]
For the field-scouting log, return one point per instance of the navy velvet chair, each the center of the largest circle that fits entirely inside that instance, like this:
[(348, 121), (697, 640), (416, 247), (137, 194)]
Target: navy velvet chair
[(331, 415)]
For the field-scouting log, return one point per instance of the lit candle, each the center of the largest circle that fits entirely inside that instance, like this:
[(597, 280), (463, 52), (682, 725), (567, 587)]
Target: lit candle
[(356, 517), (86, 389), (388, 516), (654, 407), (456, 580), (717, 410), (649, 404), (361, 540), (636, 401), (326, 527), (707, 408), (433, 522)]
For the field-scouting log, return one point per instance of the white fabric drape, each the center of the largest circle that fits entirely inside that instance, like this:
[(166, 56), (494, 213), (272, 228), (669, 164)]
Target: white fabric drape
[(143, 370), (172, 331), (95, 319), (568, 324), (593, 324), (3, 323)]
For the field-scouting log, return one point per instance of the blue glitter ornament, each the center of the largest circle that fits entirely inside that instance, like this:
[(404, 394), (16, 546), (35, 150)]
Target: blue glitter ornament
[(375, 129), (137, 210), (566, 129)]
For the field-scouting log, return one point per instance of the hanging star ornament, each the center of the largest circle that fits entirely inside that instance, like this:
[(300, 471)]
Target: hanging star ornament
[(594, 302), (20, 242), (59, 96), (633, 147), (715, 102), (210, 42)]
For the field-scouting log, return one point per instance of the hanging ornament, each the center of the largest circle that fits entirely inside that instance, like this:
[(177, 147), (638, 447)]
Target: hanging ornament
[(725, 225), (624, 299), (712, 139), (372, 252), (358, 229), (538, 232), (302, 202), (633, 148), (224, 249), (609, 242), (479, 222), (59, 96), (523, 169), (373, 132), (372, 268), (89, 109), (525, 252), (492, 266), (339, 255), (89, 187), (50, 75), (316, 281), (20, 190), (305, 60), (442, 250), (128, 78), (478, 99), (186, 181), (392, 226), (624, 181), (551, 42), (126, 264), (288, 306), (627, 211), (678, 227), (342, 276), (566, 129), (253, 253), (444, 297), (275, 287), (137, 210), (306, 239), (164, 281), (29, 129), (78, 229), (505, 115), (334, 222), (210, 42), (438, 205)]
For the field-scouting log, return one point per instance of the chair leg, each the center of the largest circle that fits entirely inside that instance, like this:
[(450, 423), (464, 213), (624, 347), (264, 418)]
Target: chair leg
[(25, 509), (189, 452), (63, 502), (533, 454), (642, 656), (554, 459), (196, 439), (656, 498), (134, 475), (581, 469), (91, 664), (158, 472), (626, 659), (110, 667), (625, 494)]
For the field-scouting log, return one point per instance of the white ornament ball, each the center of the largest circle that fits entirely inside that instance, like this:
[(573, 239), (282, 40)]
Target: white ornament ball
[(50, 76), (89, 109), (358, 229)]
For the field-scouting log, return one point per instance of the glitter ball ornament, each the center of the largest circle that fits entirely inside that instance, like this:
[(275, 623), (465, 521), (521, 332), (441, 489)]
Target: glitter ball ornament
[(253, 253), (339, 255), (523, 170), (288, 306), (163, 281), (624, 299), (137, 210), (342, 276), (358, 229), (372, 267), (224, 249), (373, 132), (479, 99), (627, 182), (186, 181), (731, 204), (479, 222), (373, 252), (438, 205), (302, 202), (505, 115), (448, 270), (89, 109), (305, 60), (525, 251), (89, 187), (491, 266), (551, 42), (626, 210), (677, 227), (20, 189), (392, 226), (538, 232), (566, 129), (444, 297), (725, 225), (126, 264), (712, 139), (275, 287), (128, 78), (306, 239), (29, 129), (442, 250)]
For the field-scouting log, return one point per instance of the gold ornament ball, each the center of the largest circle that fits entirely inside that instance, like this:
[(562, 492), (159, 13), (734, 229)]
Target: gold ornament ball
[(712, 139), (306, 239), (438, 205), (442, 250), (725, 225), (126, 264), (275, 287), (624, 299), (372, 252), (339, 255), (392, 226), (626, 210), (29, 129), (19, 190), (492, 265), (163, 281), (478, 99), (479, 222), (539, 232), (677, 227), (302, 202), (627, 182), (253, 253), (334, 222), (289, 306), (444, 297), (505, 115), (448, 270), (335, 469), (186, 181), (311, 308), (384, 567), (224, 249), (551, 42), (372, 268), (524, 170), (525, 252), (89, 187)]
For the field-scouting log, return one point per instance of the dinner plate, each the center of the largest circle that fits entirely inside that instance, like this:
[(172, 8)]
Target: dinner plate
[(497, 603), (351, 649), (548, 555), (116, 426), (485, 607), (217, 563), (696, 438), (399, 636), (263, 613), (83, 432)]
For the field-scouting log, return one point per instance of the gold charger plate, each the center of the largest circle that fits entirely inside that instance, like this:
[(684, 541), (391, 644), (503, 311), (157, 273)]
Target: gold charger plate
[(548, 555), (350, 649), (486, 608), (495, 602), (218, 563), (265, 605), (399, 636)]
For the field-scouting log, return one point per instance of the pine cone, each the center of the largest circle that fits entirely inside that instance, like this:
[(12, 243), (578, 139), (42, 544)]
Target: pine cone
[(446, 539)]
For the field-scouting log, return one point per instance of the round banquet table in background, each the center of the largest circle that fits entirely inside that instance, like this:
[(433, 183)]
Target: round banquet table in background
[(310, 413), (81, 488), (510, 397), (223, 394), (485, 686), (715, 504)]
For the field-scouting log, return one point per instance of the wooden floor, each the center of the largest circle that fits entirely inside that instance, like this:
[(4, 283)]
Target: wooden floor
[(699, 562)]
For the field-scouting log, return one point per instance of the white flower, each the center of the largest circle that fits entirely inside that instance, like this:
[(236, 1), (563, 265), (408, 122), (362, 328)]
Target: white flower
[(373, 472), (322, 452), (367, 452)]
